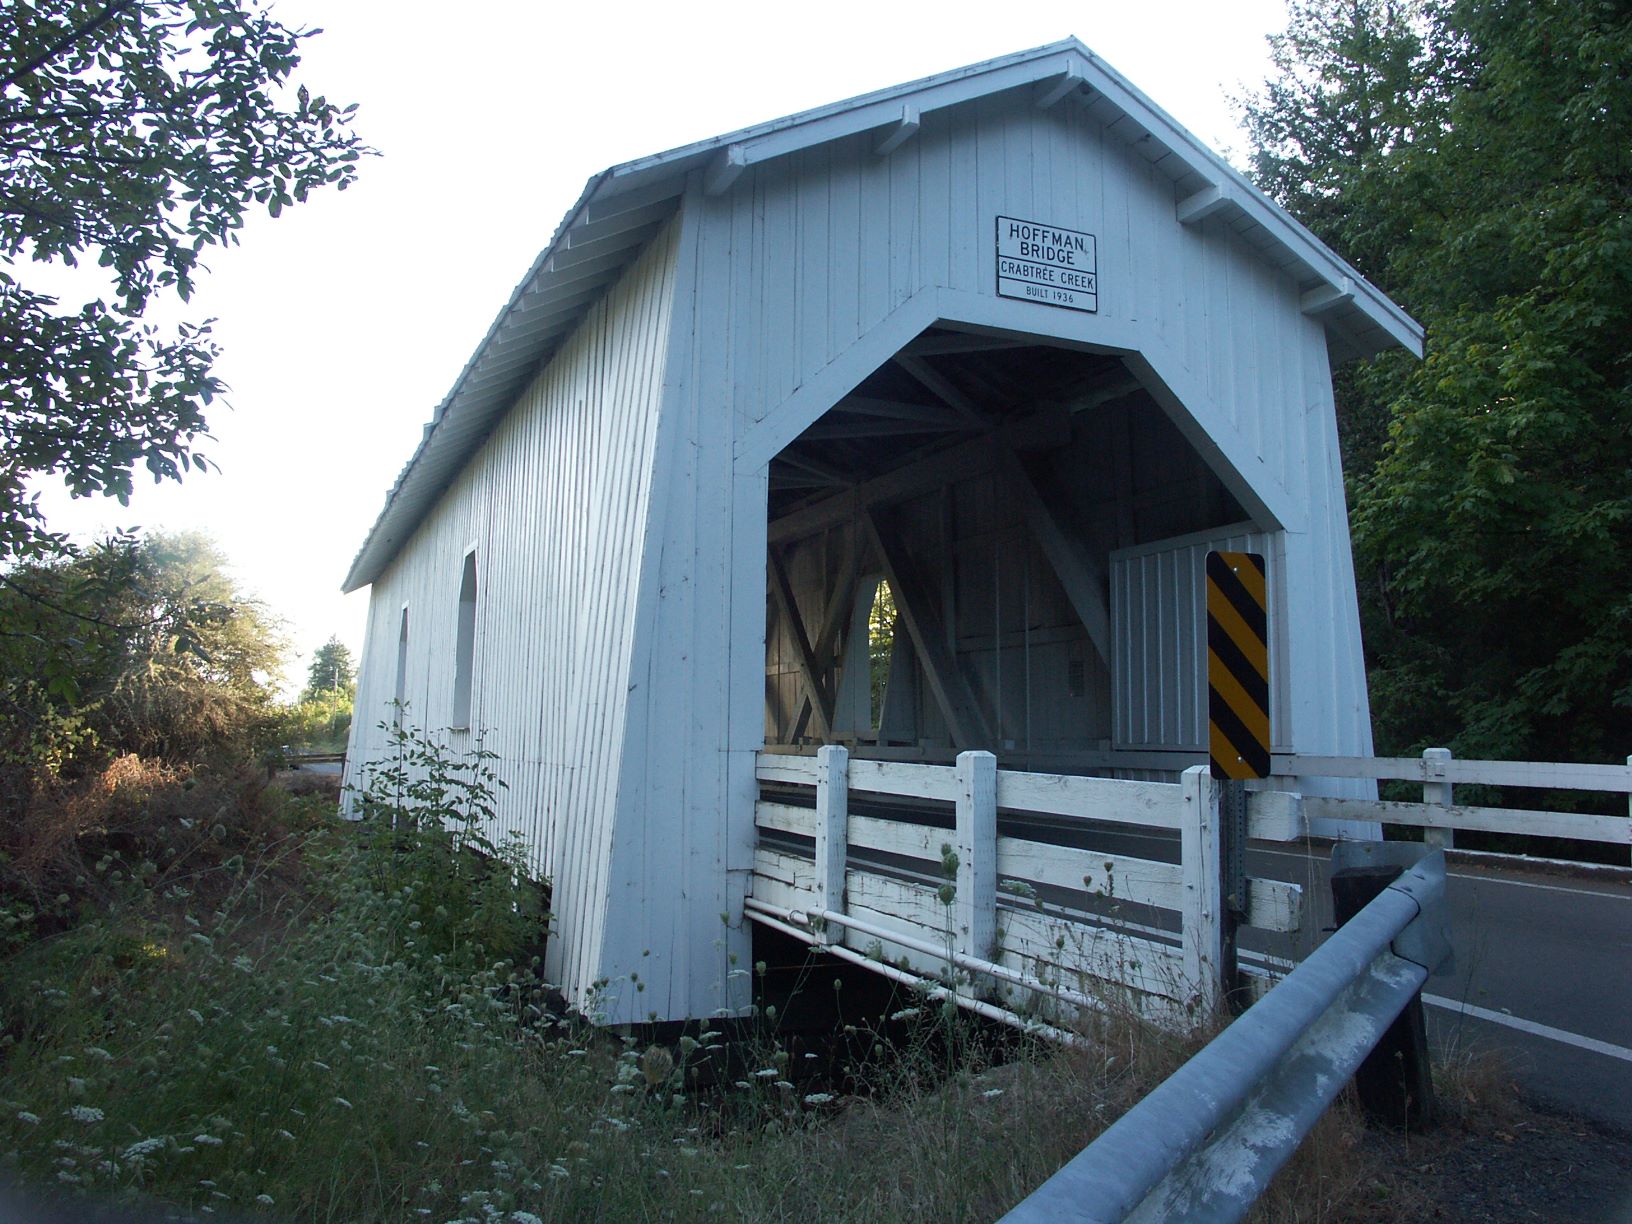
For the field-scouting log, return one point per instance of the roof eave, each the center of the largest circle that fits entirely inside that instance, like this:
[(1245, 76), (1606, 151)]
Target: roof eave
[(1359, 317)]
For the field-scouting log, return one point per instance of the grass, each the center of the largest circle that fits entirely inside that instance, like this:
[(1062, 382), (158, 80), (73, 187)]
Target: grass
[(278, 1013)]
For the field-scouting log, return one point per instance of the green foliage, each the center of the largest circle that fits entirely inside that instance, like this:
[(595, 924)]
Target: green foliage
[(320, 721), (133, 135), (428, 812), (141, 646), (1354, 92), (260, 1019), (332, 671), (881, 632), (1491, 504)]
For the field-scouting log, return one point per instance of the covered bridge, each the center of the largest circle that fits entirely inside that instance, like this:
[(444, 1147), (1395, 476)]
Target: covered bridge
[(903, 423)]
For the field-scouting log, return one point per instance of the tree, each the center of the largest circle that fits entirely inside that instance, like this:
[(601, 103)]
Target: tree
[(1358, 87), (1493, 529), (1355, 90), (133, 135), (143, 646), (332, 670)]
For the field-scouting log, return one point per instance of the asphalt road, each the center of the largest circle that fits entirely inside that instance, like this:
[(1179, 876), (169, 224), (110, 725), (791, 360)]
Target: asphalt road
[(1542, 972)]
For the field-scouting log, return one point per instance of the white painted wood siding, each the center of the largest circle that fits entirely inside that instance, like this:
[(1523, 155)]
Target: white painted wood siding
[(1159, 623), (555, 504), (845, 243), (629, 726), (806, 275)]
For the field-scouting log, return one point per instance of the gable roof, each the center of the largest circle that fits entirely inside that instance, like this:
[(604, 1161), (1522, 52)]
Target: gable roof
[(623, 207)]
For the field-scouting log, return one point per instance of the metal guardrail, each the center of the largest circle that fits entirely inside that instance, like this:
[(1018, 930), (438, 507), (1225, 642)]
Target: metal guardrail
[(295, 758), (1205, 1144)]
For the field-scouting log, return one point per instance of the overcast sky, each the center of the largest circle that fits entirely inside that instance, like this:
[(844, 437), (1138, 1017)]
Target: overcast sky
[(347, 320)]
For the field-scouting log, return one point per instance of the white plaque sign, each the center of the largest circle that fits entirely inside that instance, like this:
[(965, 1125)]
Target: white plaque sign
[(1047, 264)]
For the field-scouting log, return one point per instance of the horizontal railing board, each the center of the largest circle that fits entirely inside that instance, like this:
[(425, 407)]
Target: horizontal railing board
[(898, 837), (797, 770), (1151, 804), (785, 818), (1089, 958), (1274, 905), (905, 780), (1137, 881), (1575, 826), (1051, 950), (1080, 952), (1544, 775), (790, 870)]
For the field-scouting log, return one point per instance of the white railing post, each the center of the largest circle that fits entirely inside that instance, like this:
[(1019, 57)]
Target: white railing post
[(832, 831), (976, 882), (1629, 803), (1436, 794), (1203, 930)]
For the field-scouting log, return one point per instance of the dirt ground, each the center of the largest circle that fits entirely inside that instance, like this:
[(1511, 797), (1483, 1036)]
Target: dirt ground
[(1517, 1163)]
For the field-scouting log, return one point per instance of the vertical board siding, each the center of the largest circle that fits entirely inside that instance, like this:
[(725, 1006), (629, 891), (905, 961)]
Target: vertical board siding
[(555, 502), (1159, 625), (623, 671), (799, 262), (923, 219)]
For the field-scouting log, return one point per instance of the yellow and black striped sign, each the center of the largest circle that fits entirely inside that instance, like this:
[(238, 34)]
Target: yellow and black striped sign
[(1237, 665)]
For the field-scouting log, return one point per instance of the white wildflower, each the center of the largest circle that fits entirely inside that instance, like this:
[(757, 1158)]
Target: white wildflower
[(76, 1086), (342, 1102), (558, 1171), (243, 964), (524, 1217), (141, 1148), (766, 1073), (906, 1013), (283, 1134), (28, 1119), (208, 1140), (197, 1015), (99, 1053), (992, 1092), (818, 1098), (84, 1113), (265, 1200)]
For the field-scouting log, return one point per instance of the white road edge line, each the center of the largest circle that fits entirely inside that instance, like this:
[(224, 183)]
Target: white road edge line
[(1558, 888), (1531, 1027), (1483, 879)]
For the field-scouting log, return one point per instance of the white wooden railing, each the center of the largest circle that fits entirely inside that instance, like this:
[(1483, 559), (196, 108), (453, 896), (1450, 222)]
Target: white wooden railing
[(1440, 816), (986, 914)]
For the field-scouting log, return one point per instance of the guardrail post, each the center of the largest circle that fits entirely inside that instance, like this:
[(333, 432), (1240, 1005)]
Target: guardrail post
[(976, 881), (1438, 794), (832, 831), (1629, 801), (1203, 930), (1394, 1081)]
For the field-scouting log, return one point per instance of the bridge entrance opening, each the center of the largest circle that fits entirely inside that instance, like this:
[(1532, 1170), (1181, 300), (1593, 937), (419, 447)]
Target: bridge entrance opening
[(944, 546)]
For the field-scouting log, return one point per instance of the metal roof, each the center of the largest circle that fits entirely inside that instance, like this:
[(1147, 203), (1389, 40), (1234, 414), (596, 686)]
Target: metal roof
[(623, 207)]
